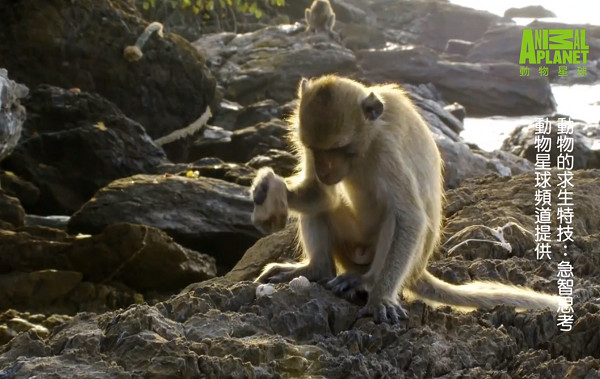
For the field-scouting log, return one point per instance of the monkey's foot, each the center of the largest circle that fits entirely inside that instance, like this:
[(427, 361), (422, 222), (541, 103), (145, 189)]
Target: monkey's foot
[(384, 311), (269, 194), (284, 272), (348, 285)]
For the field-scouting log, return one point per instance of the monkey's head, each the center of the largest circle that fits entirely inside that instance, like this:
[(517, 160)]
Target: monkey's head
[(337, 118)]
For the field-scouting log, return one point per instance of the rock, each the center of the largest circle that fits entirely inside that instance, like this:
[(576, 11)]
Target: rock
[(54, 222), (503, 43), (41, 288), (482, 88), (533, 11), (11, 210), (282, 162), (71, 125), (33, 249), (458, 46), (203, 214), (360, 36), (244, 144), (141, 257), (456, 110), (264, 251), (270, 62), (430, 23), (27, 193), (219, 327), (166, 90), (586, 145), (212, 168), (12, 114)]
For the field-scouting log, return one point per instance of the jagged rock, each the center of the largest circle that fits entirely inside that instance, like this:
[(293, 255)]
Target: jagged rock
[(166, 90), (11, 210), (27, 193), (430, 23), (74, 150), (244, 144), (204, 214), (533, 11), (458, 46), (503, 43), (270, 62), (456, 110), (212, 168), (586, 144), (38, 288), (141, 257), (218, 327), (266, 250), (12, 114), (360, 36), (282, 162), (482, 88)]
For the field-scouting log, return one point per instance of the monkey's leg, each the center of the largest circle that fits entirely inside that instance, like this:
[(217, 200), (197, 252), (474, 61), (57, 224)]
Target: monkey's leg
[(406, 249), (307, 17), (351, 284), (330, 22), (316, 238)]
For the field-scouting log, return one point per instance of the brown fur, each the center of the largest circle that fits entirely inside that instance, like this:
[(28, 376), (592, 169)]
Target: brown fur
[(370, 178)]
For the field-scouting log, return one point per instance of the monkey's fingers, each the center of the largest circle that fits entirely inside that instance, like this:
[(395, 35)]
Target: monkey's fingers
[(348, 285), (385, 311)]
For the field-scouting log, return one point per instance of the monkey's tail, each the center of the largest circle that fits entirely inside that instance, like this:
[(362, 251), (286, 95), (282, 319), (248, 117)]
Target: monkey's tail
[(481, 294)]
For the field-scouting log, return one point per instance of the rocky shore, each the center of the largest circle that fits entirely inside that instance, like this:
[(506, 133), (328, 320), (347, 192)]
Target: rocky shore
[(126, 246)]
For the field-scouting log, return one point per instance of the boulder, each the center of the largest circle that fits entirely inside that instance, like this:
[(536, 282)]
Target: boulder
[(270, 62), (482, 88), (586, 143), (165, 90), (11, 210), (203, 214), (141, 257), (533, 11), (79, 143), (12, 114), (430, 23), (243, 144)]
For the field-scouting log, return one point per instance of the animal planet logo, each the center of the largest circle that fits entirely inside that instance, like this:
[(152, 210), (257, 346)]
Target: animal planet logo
[(554, 46)]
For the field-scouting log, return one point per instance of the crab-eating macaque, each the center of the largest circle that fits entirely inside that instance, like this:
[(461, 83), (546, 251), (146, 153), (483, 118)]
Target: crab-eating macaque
[(320, 18), (369, 185), (134, 53)]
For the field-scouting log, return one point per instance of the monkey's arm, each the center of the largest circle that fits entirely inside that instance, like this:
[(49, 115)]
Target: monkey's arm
[(311, 197), (272, 197)]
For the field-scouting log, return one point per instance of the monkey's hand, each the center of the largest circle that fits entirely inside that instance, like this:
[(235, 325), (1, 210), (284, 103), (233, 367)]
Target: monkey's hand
[(269, 194), (284, 272), (383, 310), (349, 285)]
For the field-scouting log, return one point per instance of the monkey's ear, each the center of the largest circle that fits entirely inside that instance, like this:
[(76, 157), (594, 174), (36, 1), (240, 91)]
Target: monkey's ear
[(303, 86), (372, 107)]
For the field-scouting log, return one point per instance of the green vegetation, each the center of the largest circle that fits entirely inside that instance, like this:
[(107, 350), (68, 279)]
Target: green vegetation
[(208, 7)]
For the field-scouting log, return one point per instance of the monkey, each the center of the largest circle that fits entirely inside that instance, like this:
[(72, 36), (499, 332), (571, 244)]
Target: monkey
[(134, 53), (320, 18), (370, 175)]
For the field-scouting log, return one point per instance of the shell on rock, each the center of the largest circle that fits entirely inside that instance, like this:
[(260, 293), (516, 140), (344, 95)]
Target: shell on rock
[(299, 284), (264, 290)]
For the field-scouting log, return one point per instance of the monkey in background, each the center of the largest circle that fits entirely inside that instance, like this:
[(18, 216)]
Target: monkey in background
[(320, 18), (368, 197)]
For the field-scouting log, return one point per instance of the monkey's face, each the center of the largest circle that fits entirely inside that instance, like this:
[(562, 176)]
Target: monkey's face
[(336, 121), (332, 165)]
